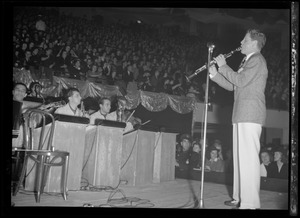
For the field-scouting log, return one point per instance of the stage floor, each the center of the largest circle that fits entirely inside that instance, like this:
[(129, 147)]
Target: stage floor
[(179, 193)]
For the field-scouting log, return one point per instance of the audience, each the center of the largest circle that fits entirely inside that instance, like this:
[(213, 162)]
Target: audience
[(189, 156), (214, 163), (195, 159), (279, 167), (183, 153), (218, 145), (265, 163), (154, 58)]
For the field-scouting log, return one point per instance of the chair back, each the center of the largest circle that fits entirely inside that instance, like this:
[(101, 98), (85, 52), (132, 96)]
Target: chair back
[(35, 118)]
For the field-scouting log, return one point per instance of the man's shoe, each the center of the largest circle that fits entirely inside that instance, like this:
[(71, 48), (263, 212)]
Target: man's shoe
[(232, 203)]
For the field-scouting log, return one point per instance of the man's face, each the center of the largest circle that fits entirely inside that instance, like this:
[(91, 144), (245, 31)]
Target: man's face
[(265, 158), (185, 143), (214, 154), (64, 54), (75, 98), (24, 46), (19, 93), (105, 107), (28, 54), (248, 45)]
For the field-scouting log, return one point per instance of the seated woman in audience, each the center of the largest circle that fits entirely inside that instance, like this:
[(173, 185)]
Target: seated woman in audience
[(265, 163), (279, 168), (93, 74), (77, 70), (183, 156), (195, 160), (47, 64), (35, 63), (218, 144), (62, 63), (214, 163)]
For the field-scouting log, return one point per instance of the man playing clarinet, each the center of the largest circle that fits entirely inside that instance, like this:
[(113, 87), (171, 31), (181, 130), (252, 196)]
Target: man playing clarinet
[(248, 117)]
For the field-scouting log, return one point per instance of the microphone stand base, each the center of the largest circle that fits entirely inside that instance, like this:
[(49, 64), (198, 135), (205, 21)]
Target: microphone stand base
[(201, 204)]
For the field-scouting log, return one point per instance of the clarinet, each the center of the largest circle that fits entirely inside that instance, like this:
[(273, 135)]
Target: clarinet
[(188, 78)]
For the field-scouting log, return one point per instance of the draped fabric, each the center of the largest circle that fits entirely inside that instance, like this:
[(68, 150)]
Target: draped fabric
[(87, 88), (153, 102)]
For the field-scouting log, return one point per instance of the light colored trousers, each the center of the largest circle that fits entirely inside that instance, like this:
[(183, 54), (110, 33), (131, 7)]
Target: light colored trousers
[(246, 163)]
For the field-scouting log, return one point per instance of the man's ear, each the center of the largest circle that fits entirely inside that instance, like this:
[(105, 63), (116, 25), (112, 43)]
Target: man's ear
[(254, 43)]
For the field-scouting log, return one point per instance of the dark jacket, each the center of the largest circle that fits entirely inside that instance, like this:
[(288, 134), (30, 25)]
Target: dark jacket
[(274, 173)]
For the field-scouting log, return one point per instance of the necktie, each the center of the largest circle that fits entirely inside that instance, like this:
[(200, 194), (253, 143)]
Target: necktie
[(243, 61)]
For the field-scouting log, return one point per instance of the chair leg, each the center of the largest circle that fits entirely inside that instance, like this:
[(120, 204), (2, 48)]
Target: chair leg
[(64, 177), (39, 177), (45, 174), (15, 191)]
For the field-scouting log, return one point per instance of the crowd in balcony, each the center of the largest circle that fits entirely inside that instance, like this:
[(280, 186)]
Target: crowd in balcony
[(130, 55)]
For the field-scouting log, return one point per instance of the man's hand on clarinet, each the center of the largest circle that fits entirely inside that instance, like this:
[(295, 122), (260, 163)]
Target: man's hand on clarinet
[(220, 60), (213, 70)]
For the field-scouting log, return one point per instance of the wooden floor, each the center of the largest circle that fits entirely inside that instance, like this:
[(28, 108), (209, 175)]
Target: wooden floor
[(179, 193)]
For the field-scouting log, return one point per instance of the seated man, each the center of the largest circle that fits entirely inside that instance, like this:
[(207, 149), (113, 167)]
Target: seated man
[(71, 108), (183, 154), (103, 112), (19, 92)]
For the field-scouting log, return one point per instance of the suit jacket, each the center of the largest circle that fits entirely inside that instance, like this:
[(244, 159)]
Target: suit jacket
[(98, 115), (249, 89), (66, 110)]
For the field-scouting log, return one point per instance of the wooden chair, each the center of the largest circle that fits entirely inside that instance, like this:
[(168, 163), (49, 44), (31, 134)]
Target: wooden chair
[(44, 158)]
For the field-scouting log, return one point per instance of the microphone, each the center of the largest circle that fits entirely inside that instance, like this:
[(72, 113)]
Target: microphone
[(211, 45)]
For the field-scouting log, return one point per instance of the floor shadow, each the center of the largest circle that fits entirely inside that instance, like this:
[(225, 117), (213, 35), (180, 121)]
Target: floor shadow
[(215, 177), (193, 201)]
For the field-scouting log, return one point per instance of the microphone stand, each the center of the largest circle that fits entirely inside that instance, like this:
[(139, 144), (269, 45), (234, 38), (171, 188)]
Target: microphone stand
[(210, 51)]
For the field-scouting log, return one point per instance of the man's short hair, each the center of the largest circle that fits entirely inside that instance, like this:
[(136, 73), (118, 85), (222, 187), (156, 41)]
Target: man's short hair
[(101, 101), (19, 83), (71, 92), (257, 35)]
